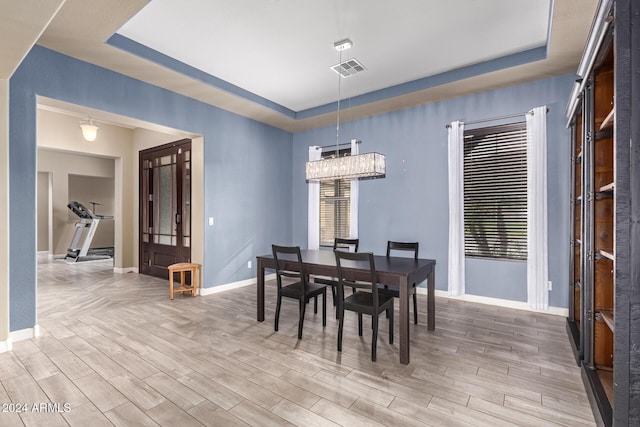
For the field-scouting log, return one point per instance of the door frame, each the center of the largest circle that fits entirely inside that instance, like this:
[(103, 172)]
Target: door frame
[(197, 200)]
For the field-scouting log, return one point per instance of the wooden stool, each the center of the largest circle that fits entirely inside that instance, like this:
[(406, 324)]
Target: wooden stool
[(183, 267)]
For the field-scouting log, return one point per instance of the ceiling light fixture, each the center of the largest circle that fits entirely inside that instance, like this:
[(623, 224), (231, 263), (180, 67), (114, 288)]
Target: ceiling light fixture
[(367, 165), (343, 45), (89, 129)]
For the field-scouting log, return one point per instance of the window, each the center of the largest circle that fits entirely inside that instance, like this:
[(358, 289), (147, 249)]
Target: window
[(335, 206), (495, 192)]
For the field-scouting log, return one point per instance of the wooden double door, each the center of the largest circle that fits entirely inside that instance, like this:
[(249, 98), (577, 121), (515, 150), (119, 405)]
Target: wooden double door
[(165, 207)]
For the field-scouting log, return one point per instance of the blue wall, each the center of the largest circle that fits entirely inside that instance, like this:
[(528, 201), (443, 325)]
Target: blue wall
[(254, 174), (411, 203), (247, 167)]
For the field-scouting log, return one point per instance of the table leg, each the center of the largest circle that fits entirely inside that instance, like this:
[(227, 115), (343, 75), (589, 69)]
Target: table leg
[(404, 321), (431, 300), (260, 286)]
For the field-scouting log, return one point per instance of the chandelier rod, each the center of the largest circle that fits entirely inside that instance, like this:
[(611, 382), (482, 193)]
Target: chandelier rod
[(338, 114)]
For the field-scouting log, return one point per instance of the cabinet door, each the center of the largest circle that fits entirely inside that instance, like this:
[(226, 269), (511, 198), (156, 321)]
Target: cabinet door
[(586, 262), (575, 256)]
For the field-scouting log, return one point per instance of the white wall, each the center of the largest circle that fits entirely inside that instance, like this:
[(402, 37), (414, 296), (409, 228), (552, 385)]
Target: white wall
[(4, 214), (42, 216), (61, 132)]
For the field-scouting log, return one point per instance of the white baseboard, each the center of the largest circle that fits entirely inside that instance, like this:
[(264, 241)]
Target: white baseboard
[(24, 334), (234, 285), (15, 336), (125, 270), (44, 254), (519, 305)]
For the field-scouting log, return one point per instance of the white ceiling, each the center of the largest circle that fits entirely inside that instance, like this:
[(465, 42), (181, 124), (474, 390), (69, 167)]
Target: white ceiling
[(281, 50), (21, 24)]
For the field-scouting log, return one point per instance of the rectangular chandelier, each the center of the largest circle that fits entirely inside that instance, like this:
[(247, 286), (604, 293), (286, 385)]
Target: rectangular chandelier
[(367, 165)]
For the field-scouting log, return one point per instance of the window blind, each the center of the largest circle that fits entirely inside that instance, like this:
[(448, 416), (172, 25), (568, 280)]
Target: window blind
[(495, 191), (335, 207)]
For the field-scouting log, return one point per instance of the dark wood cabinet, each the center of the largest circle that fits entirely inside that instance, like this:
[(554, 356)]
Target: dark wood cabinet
[(604, 271)]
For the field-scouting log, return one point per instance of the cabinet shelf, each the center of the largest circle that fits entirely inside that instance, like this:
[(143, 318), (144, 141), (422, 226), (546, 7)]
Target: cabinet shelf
[(607, 123), (607, 254), (607, 316), (607, 188)]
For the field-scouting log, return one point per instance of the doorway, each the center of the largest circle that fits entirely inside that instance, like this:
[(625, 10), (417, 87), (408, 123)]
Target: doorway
[(165, 207)]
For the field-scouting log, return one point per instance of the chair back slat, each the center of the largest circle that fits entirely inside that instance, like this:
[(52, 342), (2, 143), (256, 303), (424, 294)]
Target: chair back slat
[(402, 246), (291, 254), (339, 243), (369, 285)]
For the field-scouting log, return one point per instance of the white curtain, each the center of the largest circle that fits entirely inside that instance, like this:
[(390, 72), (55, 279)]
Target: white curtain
[(537, 242), (456, 209), (313, 210), (355, 191)]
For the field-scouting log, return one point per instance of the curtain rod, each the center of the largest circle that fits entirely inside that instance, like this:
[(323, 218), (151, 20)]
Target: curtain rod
[(334, 145), (508, 116)]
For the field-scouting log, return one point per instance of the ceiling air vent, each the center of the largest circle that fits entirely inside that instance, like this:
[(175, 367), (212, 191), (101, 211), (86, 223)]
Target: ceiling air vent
[(348, 68)]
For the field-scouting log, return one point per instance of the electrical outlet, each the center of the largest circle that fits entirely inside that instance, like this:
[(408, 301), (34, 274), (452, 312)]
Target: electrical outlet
[(550, 285), (249, 264)]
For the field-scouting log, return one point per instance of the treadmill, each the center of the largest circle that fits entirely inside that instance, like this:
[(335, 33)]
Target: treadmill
[(89, 221)]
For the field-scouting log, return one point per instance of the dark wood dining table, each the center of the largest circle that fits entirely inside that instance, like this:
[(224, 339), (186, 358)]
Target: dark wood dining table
[(394, 271)]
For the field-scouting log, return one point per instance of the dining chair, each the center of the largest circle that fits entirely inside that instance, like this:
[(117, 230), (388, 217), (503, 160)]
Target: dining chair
[(365, 300), (395, 292), (285, 257), (338, 243)]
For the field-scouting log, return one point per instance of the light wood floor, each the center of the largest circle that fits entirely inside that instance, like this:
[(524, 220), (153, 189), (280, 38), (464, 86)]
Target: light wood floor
[(118, 351)]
